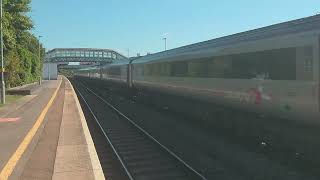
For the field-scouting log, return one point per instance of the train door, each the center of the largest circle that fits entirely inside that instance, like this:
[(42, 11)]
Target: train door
[(100, 70), (318, 73), (129, 74)]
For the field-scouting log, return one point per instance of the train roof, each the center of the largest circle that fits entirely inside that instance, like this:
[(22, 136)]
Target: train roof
[(306, 24), (118, 62)]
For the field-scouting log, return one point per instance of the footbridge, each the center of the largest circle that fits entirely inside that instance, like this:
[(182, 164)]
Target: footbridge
[(82, 55)]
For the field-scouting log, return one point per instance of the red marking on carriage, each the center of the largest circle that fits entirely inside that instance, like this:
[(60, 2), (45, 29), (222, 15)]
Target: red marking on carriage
[(258, 96), (9, 119)]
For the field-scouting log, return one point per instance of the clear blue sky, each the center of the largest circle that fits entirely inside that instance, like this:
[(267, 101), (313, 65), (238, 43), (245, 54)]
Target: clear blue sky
[(139, 25)]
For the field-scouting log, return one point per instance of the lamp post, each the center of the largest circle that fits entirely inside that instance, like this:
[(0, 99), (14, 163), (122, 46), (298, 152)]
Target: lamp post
[(3, 86), (40, 79), (165, 43)]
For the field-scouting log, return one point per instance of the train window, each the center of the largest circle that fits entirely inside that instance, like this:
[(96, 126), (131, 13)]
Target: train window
[(198, 68), (114, 71), (179, 68), (220, 67), (266, 64), (157, 69), (139, 70), (148, 69), (256, 65), (151, 69), (165, 69)]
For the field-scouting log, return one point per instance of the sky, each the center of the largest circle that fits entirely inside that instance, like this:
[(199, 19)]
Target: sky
[(140, 25)]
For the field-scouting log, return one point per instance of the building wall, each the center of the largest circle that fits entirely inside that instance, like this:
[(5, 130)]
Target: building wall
[(49, 71)]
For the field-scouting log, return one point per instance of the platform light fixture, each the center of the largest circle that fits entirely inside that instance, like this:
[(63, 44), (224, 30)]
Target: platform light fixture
[(165, 43), (3, 86), (40, 79)]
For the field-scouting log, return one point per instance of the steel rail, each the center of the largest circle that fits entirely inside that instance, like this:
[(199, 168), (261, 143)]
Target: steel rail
[(107, 137), (147, 134)]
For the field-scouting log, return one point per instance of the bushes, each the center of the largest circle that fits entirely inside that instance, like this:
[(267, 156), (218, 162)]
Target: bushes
[(21, 59)]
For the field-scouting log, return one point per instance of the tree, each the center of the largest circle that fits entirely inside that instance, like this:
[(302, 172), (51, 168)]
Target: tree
[(20, 45)]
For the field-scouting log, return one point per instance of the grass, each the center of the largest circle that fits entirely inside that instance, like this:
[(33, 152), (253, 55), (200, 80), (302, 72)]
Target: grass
[(11, 98)]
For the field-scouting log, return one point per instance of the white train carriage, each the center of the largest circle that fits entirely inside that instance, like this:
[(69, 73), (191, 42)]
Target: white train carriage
[(91, 72), (116, 71), (272, 69)]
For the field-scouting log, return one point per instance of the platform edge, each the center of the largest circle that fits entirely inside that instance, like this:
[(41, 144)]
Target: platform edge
[(98, 173)]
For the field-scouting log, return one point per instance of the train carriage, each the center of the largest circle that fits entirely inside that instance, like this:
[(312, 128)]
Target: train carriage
[(272, 69)]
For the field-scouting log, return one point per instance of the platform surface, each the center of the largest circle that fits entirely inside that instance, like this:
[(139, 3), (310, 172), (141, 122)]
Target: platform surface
[(55, 118), (76, 156)]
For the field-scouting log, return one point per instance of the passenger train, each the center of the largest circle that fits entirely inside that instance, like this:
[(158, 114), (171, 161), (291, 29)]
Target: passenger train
[(274, 69)]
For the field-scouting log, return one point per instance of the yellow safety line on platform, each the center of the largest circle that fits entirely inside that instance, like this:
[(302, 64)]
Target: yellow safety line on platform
[(8, 168)]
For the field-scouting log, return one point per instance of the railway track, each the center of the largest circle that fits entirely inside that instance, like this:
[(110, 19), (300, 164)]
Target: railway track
[(214, 157), (141, 156)]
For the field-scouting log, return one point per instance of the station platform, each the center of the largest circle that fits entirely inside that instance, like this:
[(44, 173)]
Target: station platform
[(45, 136)]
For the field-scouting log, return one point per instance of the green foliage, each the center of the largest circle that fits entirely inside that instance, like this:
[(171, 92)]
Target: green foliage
[(21, 47), (13, 69), (66, 73)]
